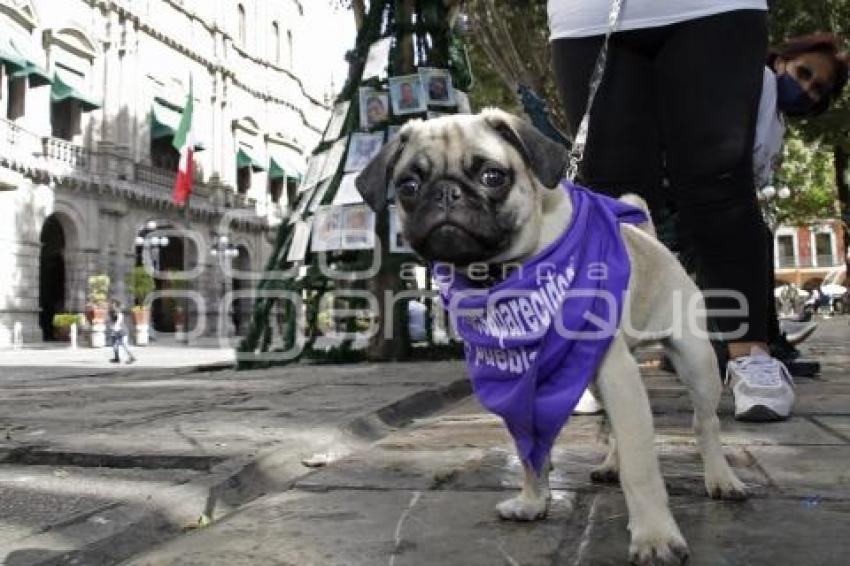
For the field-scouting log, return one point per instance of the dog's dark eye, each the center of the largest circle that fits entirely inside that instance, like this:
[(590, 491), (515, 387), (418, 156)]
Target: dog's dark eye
[(408, 187), (493, 178)]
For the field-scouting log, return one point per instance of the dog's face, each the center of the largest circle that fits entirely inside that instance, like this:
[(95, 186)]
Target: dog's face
[(468, 188)]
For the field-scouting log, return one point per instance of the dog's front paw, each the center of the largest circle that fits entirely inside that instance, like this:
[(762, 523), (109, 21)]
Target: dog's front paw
[(523, 508), (667, 548), (725, 486)]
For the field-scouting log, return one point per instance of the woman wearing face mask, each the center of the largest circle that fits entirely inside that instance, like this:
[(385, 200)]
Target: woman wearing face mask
[(801, 80), (678, 104)]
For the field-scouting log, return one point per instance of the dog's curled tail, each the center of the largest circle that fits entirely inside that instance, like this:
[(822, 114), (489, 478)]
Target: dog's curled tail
[(636, 201)]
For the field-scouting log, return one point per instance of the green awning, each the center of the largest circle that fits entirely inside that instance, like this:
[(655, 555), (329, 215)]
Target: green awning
[(244, 159), (10, 56), (37, 75), (63, 91), (164, 121), (275, 170)]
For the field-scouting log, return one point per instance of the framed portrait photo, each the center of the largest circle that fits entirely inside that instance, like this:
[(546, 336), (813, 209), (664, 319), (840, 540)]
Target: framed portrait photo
[(337, 121), (347, 192), (358, 228), (392, 131), (437, 86), (376, 60), (301, 204), (398, 244), (327, 229), (361, 149), (333, 160), (300, 239), (374, 107), (407, 95), (319, 195)]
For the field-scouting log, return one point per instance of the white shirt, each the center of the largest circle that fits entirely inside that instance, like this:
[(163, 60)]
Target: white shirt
[(584, 18), (770, 133)]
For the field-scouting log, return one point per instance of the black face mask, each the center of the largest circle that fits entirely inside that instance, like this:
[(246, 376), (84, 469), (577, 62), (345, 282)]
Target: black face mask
[(791, 98)]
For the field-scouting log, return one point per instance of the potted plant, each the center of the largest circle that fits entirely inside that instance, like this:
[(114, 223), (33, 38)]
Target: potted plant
[(97, 309), (178, 313), (140, 284), (62, 323)]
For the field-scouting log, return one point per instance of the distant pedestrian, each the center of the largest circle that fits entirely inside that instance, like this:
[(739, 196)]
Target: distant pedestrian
[(118, 333)]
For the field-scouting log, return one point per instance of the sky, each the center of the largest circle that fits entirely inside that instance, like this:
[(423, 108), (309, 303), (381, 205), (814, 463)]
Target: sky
[(323, 52)]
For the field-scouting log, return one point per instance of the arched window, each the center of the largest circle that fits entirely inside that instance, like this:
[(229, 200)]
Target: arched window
[(241, 20), (276, 42)]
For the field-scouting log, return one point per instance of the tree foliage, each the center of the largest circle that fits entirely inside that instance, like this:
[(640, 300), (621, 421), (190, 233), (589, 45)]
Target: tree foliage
[(808, 170)]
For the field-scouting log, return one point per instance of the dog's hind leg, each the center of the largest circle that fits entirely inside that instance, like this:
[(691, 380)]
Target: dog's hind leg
[(609, 470), (656, 538), (533, 501), (696, 365)]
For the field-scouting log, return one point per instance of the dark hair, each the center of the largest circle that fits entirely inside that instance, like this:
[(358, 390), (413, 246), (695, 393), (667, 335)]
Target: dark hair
[(827, 44)]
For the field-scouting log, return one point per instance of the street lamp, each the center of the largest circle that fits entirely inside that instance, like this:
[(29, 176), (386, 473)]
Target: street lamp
[(221, 247), (148, 240)]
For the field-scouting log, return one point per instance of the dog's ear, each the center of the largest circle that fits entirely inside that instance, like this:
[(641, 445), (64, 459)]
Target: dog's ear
[(372, 182), (545, 157)]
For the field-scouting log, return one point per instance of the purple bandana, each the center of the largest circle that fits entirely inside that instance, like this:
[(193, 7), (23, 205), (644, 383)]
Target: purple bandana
[(548, 325)]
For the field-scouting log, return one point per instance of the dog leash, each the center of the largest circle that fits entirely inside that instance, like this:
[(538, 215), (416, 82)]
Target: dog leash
[(580, 141)]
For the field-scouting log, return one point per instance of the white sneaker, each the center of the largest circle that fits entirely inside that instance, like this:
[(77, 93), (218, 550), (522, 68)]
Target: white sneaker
[(587, 405), (762, 386)]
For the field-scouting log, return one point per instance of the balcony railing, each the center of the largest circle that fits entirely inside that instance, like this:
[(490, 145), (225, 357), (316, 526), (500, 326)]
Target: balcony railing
[(66, 153), (826, 260), (155, 176), (786, 262)]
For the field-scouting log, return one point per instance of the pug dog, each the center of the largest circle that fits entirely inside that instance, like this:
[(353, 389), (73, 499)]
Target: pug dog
[(485, 189)]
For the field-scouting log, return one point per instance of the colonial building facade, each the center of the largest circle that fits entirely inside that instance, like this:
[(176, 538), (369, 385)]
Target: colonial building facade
[(805, 255), (91, 94)]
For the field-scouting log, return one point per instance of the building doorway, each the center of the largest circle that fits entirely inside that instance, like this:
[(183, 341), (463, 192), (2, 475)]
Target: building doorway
[(51, 276)]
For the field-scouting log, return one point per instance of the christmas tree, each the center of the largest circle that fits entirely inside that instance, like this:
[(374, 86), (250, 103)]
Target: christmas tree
[(408, 62)]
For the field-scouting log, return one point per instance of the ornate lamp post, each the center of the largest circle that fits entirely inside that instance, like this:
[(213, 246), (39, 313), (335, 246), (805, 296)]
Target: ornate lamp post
[(222, 249), (150, 242)]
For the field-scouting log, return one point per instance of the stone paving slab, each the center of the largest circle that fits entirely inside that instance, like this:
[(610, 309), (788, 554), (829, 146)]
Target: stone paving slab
[(388, 527), (758, 532)]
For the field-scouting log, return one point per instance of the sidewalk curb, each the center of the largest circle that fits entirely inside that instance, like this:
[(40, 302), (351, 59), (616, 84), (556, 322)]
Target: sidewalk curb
[(235, 482)]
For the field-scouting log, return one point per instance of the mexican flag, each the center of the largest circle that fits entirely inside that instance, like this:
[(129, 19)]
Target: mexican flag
[(184, 142)]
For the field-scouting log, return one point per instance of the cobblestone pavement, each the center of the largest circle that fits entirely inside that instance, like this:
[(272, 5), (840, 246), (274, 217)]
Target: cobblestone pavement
[(425, 495)]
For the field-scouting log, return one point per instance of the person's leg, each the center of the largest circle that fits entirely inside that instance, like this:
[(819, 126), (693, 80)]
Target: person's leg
[(114, 338), (709, 76), (623, 152)]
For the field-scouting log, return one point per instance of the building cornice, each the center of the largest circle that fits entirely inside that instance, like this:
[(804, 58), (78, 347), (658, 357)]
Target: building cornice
[(125, 9)]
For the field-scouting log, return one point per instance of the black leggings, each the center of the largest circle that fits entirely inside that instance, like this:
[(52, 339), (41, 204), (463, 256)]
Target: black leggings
[(678, 106)]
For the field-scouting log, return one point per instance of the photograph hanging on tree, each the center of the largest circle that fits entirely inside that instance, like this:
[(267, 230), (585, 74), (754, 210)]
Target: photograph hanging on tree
[(358, 228), (319, 195), (438, 86), (398, 244), (333, 160), (327, 233), (347, 192), (361, 149), (301, 207), (374, 107), (392, 131), (300, 239), (406, 94), (314, 170), (337, 122), (376, 60)]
